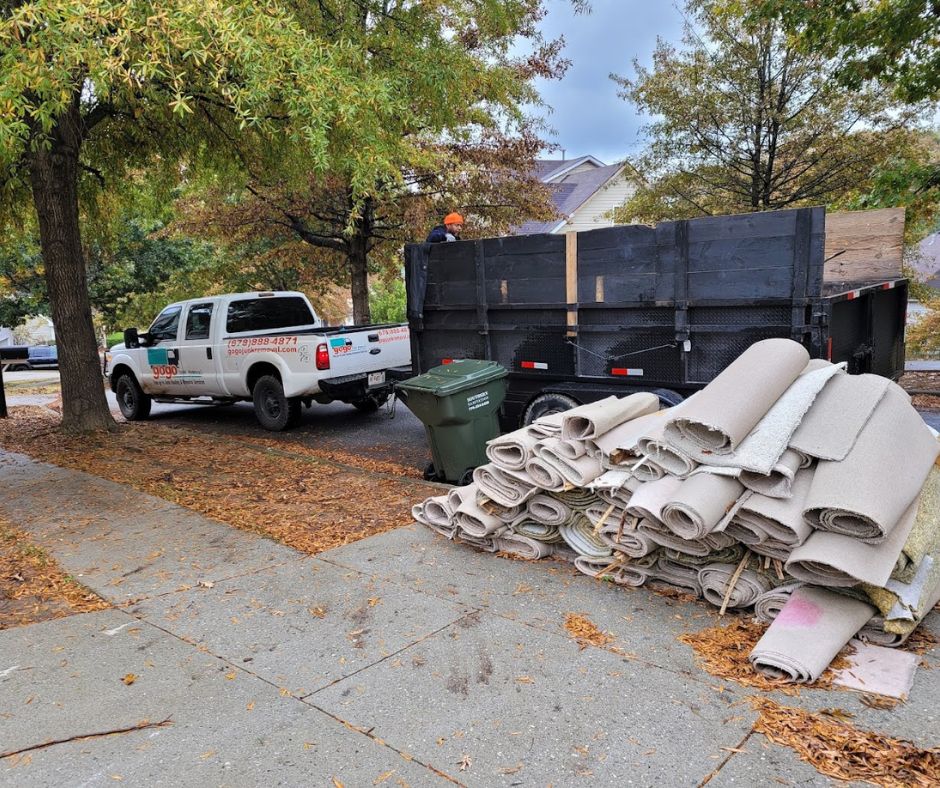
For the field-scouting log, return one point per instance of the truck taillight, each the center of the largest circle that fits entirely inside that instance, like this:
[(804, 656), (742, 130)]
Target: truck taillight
[(323, 356)]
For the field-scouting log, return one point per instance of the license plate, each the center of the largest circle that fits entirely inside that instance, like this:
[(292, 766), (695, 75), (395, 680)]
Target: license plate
[(376, 378)]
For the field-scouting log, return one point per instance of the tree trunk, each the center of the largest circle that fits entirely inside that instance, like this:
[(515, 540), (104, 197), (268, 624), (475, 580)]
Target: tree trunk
[(54, 179), (359, 264)]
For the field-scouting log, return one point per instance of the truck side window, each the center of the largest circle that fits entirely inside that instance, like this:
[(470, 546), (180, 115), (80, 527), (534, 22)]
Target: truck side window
[(166, 326), (198, 320), (267, 314)]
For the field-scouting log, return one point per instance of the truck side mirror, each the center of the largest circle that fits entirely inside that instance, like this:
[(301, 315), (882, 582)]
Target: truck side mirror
[(131, 338)]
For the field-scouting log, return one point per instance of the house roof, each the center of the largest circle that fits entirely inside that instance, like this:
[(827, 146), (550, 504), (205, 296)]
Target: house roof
[(570, 193), (552, 169)]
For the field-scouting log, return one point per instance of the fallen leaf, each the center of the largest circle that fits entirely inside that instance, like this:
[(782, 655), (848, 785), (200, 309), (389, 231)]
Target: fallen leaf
[(525, 680), (129, 678), (464, 763), (383, 777), (337, 783), (251, 705), (511, 769), (373, 601), (205, 584), (230, 675)]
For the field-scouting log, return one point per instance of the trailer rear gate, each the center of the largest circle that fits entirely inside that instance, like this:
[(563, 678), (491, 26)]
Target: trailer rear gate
[(646, 308)]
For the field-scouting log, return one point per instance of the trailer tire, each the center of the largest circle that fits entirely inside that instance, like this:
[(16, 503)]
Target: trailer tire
[(546, 405), (274, 411), (134, 404)]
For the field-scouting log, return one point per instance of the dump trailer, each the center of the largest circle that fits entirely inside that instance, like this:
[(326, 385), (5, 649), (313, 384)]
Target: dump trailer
[(628, 308)]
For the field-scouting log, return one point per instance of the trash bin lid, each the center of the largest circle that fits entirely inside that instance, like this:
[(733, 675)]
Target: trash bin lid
[(455, 377)]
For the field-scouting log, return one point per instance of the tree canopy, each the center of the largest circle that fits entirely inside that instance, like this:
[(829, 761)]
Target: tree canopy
[(743, 119)]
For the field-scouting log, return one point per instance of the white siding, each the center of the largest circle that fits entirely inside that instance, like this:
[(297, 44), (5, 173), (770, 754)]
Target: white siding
[(593, 213)]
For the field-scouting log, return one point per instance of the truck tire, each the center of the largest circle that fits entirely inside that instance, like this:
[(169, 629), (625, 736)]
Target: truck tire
[(547, 404), (134, 404), (275, 412), (371, 403)]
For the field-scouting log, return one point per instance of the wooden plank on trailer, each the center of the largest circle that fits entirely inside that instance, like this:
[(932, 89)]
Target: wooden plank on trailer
[(571, 280), (864, 245)]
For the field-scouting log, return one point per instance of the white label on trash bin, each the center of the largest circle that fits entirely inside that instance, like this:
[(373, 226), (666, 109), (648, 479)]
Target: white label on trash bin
[(477, 401)]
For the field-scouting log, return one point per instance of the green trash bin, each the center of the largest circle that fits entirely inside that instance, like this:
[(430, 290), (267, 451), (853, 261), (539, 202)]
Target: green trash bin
[(458, 403)]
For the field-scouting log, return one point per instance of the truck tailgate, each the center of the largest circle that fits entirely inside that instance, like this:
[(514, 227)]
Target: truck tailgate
[(361, 351)]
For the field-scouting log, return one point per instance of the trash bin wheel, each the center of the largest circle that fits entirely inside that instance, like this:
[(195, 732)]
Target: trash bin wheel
[(466, 478), (546, 405), (431, 474)]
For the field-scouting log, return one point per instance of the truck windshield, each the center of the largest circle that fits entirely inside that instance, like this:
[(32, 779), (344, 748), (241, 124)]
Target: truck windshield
[(167, 324), (267, 314)]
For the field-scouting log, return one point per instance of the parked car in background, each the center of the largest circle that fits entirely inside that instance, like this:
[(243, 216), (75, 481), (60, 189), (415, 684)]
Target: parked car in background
[(40, 357)]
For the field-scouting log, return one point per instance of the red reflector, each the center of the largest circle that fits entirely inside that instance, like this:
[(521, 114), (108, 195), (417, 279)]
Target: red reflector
[(829, 349), (447, 361), (625, 371), (533, 365), (323, 356)]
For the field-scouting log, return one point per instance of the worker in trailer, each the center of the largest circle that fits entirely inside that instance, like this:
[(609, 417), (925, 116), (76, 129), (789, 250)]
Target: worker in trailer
[(449, 231)]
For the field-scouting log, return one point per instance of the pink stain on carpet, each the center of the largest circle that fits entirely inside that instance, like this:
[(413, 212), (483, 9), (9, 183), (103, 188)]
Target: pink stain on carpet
[(799, 613)]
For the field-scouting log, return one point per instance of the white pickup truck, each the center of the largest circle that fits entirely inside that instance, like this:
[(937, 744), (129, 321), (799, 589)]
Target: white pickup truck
[(270, 348)]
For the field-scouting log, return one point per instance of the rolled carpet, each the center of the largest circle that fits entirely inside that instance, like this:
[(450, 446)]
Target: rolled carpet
[(446, 528), (628, 541), (811, 628), (726, 555), (776, 519), (722, 414), (563, 552), (654, 447), (513, 450), (677, 574), (548, 510), (650, 498), (458, 495), (899, 619), (874, 632), (836, 560), (522, 546), (761, 449), (580, 536), (546, 427), (715, 580), (924, 537), (662, 536), (596, 418), (540, 532), (507, 488), (636, 572), (601, 513), (475, 521), (699, 503), (831, 426), (578, 471), (578, 499), (779, 482), (769, 604), (647, 470), (865, 495), (619, 446), (545, 475), (615, 487), (485, 543)]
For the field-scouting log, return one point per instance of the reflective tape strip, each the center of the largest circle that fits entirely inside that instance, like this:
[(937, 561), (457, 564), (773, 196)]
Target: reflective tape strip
[(625, 371), (534, 365)]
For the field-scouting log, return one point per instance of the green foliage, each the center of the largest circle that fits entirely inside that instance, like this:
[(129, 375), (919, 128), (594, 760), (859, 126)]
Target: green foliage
[(894, 41), (22, 286), (388, 301), (745, 120)]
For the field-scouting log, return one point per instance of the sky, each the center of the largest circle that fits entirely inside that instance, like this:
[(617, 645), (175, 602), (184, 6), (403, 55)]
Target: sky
[(587, 114)]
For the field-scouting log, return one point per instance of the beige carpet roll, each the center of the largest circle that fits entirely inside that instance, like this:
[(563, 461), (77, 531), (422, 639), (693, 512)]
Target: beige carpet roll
[(654, 447), (721, 415), (578, 471), (512, 451), (769, 604), (628, 541), (438, 511), (619, 446), (699, 503), (522, 546), (636, 572), (774, 519), (562, 552), (545, 509), (600, 513), (545, 475), (831, 426), (662, 536), (444, 525), (458, 495), (678, 575), (715, 580), (577, 499), (589, 421), (874, 633), (650, 498), (540, 532), (475, 521), (811, 628), (779, 482), (546, 427), (832, 559), (616, 487), (507, 488), (647, 470), (580, 536), (866, 494), (485, 543)]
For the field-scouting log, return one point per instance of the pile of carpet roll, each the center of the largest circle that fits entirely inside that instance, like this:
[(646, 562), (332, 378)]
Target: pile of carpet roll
[(786, 487)]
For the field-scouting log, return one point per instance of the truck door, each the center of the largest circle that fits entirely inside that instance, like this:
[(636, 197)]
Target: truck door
[(162, 352), (198, 367)]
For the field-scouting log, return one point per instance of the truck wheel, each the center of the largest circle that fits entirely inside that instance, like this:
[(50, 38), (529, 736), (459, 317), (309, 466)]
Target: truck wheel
[(275, 412), (371, 403), (546, 405), (134, 404)]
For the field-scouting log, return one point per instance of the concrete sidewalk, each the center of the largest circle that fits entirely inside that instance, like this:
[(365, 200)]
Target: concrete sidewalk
[(402, 657)]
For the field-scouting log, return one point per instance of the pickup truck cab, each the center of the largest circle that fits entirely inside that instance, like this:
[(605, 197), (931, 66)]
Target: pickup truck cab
[(269, 348)]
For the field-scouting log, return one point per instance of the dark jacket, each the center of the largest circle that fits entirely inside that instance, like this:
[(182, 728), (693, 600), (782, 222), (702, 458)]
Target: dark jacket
[(437, 235)]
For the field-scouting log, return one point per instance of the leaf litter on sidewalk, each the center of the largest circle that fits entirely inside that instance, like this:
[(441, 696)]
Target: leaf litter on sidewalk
[(305, 502)]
